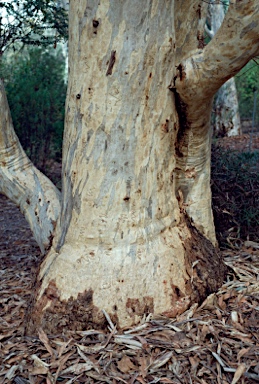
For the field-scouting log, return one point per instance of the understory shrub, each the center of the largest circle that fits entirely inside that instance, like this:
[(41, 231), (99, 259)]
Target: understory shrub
[(235, 195), (36, 90)]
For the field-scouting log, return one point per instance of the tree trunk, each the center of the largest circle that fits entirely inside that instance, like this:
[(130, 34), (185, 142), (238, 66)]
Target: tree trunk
[(227, 118), (36, 196), (136, 162)]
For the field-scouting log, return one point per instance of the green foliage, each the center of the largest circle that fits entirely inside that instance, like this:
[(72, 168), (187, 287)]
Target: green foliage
[(247, 82), (32, 22), (34, 80), (36, 91), (235, 195)]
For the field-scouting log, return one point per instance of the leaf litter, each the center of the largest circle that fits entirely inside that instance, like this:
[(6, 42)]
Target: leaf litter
[(216, 342)]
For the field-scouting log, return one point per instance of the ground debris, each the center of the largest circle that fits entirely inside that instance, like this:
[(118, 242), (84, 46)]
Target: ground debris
[(217, 342)]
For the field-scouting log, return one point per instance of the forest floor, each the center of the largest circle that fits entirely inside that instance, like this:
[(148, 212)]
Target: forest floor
[(216, 342)]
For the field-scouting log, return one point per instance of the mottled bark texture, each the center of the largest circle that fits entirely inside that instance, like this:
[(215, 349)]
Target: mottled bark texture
[(200, 74), (227, 118), (35, 195), (136, 230)]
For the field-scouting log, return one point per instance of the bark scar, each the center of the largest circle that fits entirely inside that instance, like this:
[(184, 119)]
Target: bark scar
[(111, 63)]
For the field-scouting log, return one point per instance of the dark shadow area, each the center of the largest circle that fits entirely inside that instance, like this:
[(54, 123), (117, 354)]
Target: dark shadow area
[(16, 240), (235, 190)]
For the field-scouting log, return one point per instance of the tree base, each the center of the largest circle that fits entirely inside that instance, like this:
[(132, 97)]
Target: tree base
[(205, 271)]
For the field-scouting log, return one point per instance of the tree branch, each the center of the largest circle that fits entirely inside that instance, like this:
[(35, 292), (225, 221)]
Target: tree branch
[(25, 185), (203, 72)]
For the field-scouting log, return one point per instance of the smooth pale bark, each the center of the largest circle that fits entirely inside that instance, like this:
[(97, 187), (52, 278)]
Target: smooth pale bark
[(36, 196), (199, 76), (136, 156), (227, 118)]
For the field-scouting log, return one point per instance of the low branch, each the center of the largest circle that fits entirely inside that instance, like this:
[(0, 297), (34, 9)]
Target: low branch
[(236, 42), (25, 185)]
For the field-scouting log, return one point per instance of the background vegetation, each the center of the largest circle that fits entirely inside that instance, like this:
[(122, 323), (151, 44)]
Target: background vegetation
[(235, 172), (36, 90), (235, 195), (247, 82)]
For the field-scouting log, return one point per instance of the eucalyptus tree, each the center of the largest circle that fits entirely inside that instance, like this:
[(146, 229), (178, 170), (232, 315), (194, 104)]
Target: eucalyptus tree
[(135, 234), (227, 118)]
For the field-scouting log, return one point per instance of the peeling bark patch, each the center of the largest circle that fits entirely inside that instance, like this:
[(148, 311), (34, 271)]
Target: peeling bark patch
[(111, 63), (191, 173), (55, 315), (204, 264), (139, 307), (165, 126)]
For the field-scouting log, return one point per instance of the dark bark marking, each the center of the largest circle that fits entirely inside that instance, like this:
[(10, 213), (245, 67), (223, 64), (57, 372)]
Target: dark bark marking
[(199, 11), (204, 264), (73, 314), (165, 126), (184, 125), (205, 267), (137, 307), (182, 73), (111, 63), (95, 23), (176, 293), (201, 41), (89, 135)]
